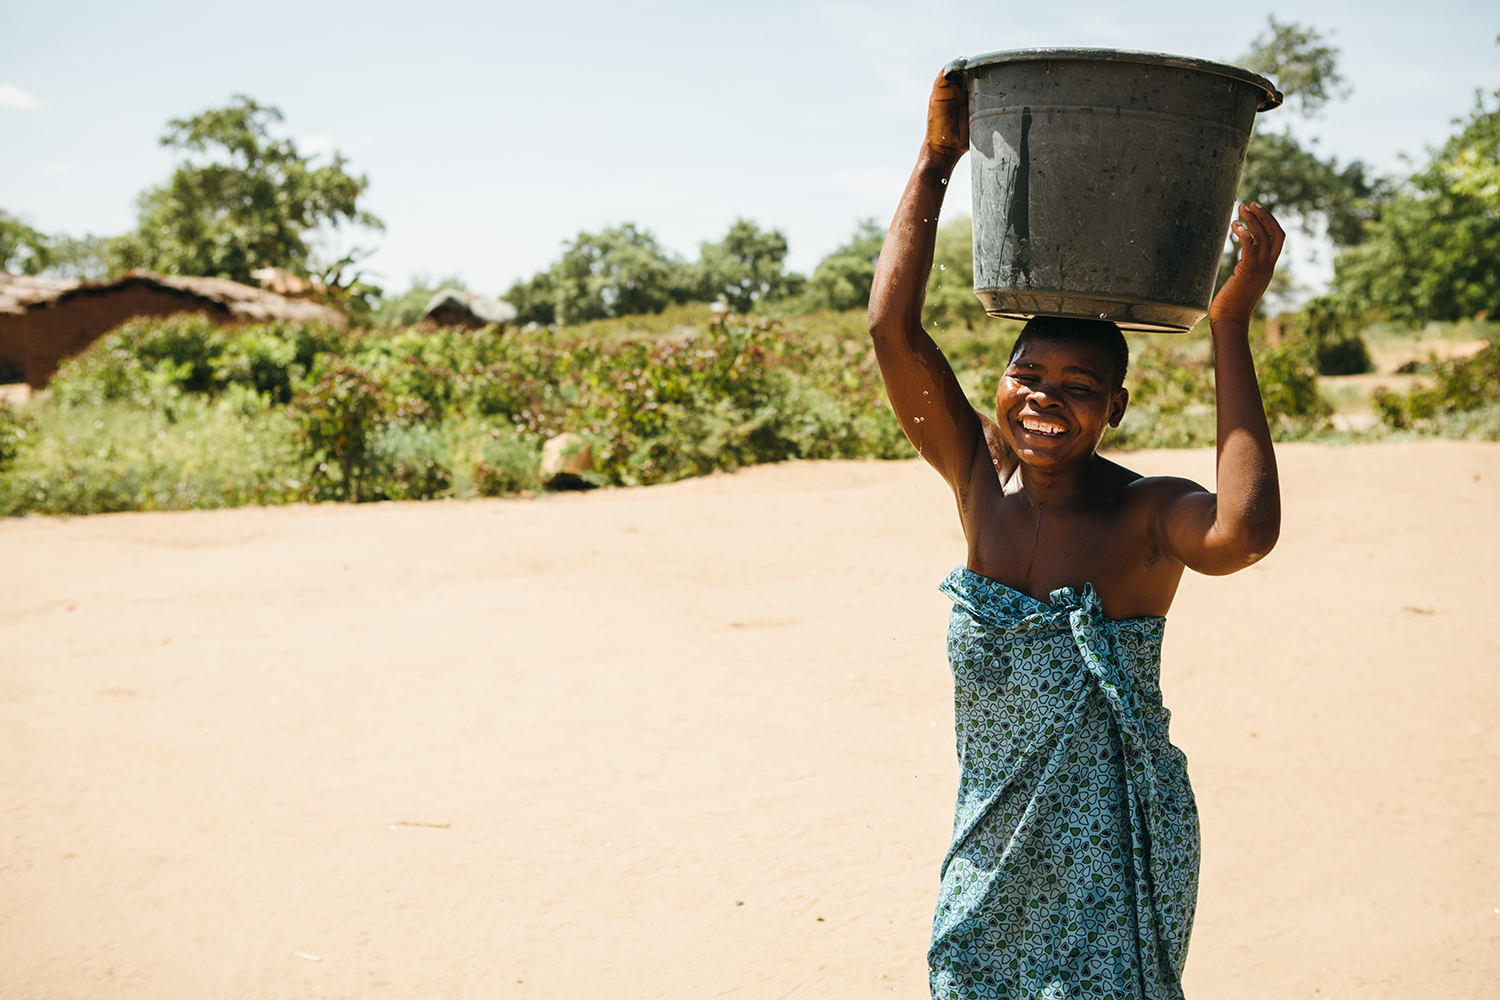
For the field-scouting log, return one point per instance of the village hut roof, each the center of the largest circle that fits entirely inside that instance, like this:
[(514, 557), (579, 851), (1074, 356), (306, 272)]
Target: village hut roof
[(254, 305), (451, 303), (17, 291)]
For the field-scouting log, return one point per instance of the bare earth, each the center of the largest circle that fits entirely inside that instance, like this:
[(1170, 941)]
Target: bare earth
[(696, 741)]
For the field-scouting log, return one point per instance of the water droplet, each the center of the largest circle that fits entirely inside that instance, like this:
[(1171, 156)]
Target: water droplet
[(1103, 315), (942, 267)]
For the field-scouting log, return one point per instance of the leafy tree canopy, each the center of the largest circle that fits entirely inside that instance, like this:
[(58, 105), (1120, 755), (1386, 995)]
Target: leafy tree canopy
[(1281, 173), (842, 280), (621, 271), (1300, 60), (23, 250), (249, 201), (1434, 252), (746, 267), (950, 287)]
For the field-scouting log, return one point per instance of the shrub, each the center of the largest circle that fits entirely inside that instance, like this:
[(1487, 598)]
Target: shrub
[(1344, 356), (1171, 401), (115, 456), (1289, 390), (337, 418), (14, 428), (509, 464), (1458, 401), (410, 462)]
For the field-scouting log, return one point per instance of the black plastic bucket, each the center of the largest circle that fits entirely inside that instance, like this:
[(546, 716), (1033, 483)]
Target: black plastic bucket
[(1104, 180)]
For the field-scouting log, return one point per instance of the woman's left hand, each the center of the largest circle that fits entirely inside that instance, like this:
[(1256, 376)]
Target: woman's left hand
[(1260, 238)]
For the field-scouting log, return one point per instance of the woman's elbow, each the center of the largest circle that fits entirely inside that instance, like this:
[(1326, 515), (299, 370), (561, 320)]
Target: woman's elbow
[(1254, 542)]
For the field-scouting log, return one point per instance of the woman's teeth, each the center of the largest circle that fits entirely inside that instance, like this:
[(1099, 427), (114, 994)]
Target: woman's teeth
[(1040, 428)]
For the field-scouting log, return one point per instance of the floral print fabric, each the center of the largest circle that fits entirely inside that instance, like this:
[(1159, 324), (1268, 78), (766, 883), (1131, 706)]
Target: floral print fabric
[(1074, 866)]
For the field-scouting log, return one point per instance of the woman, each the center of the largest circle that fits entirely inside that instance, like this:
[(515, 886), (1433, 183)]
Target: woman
[(1074, 865)]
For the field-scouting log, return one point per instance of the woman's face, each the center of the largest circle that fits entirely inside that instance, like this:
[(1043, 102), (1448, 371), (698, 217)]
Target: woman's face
[(1055, 401)]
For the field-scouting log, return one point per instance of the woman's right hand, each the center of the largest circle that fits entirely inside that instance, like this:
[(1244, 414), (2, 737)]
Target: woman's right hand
[(948, 119)]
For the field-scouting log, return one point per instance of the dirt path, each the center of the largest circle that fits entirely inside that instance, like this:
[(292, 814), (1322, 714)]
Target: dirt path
[(696, 741)]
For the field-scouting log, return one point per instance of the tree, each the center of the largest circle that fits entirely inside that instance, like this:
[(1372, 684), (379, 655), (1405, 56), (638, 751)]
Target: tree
[(535, 300), (746, 267), (251, 202), (85, 257), (617, 272), (22, 249), (950, 287), (1283, 175), (842, 280), (1434, 251)]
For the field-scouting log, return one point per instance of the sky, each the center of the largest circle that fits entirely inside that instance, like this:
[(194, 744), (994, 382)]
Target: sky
[(493, 132)]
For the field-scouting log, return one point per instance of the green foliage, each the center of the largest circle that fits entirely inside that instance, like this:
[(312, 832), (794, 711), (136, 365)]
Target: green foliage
[(162, 363), (1434, 252), (252, 202), (1300, 60), (99, 458), (535, 299), (842, 280), (1171, 400), (85, 257), (1328, 333), (338, 417), (1289, 390), (1460, 388), (508, 463), (950, 288), (616, 272), (15, 426), (1283, 175), (1292, 181), (23, 250), (745, 268)]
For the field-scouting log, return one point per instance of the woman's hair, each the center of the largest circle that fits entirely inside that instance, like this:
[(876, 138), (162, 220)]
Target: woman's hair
[(1098, 334)]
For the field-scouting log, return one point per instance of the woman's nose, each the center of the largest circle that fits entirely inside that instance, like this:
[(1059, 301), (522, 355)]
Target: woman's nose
[(1044, 394)]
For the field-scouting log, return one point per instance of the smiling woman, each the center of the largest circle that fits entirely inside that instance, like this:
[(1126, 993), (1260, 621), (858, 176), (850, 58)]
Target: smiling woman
[(1074, 864)]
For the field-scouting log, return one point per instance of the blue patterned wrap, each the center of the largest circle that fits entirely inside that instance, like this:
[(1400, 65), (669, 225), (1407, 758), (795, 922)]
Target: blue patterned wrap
[(1074, 866)]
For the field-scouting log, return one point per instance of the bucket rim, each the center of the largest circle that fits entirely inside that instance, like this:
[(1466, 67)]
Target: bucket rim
[(1271, 100)]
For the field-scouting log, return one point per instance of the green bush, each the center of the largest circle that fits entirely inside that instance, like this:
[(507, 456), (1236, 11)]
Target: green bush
[(159, 363), (337, 418), (116, 456), (1171, 401), (1344, 356), (14, 428), (508, 464), (1462, 400), (1289, 390)]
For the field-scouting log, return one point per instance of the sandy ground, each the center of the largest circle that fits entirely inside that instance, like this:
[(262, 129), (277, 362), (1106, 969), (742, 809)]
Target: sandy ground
[(696, 741)]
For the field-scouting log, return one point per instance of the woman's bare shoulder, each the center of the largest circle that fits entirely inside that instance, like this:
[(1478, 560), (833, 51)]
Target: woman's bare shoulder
[(1151, 492)]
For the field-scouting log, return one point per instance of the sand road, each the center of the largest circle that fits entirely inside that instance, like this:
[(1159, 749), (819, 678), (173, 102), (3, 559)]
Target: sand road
[(696, 741)]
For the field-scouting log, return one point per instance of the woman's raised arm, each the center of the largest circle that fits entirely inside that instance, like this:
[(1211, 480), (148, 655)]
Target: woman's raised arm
[(925, 395), (1225, 531)]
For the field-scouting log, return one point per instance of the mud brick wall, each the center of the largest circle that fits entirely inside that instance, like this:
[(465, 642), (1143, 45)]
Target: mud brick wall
[(65, 327)]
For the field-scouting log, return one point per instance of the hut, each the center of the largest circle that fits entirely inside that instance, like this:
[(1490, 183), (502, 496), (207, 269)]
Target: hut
[(451, 307), (40, 326), (18, 292)]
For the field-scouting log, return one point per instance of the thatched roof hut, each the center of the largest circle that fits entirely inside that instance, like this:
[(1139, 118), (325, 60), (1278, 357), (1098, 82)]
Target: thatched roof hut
[(40, 326), (451, 307)]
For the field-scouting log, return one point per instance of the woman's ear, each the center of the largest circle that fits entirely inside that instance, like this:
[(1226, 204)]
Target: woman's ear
[(1117, 406)]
